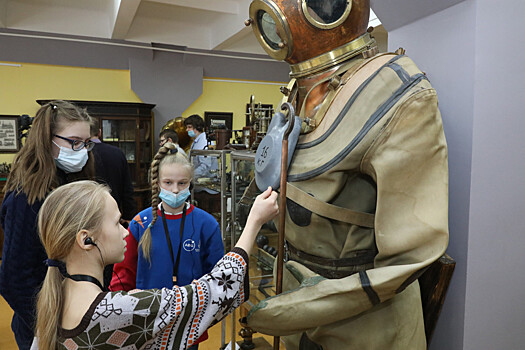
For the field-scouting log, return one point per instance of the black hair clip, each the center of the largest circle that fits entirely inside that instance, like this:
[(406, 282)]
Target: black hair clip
[(173, 151)]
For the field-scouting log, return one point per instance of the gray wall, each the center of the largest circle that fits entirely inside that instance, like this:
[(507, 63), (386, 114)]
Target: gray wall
[(472, 53), (495, 306), (171, 80), (451, 72)]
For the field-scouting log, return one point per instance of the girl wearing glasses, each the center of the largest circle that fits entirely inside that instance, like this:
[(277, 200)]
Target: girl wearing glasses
[(55, 153)]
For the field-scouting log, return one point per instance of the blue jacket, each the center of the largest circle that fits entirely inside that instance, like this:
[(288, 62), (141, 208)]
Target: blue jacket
[(202, 248)]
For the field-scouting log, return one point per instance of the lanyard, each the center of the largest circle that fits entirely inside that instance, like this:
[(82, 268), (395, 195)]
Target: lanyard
[(175, 262)]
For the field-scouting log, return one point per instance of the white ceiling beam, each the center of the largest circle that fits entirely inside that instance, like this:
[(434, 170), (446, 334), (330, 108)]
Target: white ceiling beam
[(232, 28), (221, 6), (3, 13), (123, 15), (238, 36)]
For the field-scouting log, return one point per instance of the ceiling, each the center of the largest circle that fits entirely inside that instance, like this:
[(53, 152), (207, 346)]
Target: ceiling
[(197, 24)]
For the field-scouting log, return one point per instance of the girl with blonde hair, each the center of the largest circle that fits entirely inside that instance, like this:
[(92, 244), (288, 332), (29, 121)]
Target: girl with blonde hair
[(171, 242), (79, 225), (55, 153)]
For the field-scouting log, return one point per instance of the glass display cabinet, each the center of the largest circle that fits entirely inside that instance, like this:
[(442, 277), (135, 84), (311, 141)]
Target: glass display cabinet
[(243, 193), (128, 126), (211, 193)]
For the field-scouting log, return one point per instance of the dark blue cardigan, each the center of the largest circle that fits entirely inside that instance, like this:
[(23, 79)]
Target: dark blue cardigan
[(22, 270)]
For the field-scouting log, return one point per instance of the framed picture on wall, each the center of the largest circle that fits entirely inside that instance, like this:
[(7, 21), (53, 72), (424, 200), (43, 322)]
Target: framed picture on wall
[(9, 133), (218, 120)]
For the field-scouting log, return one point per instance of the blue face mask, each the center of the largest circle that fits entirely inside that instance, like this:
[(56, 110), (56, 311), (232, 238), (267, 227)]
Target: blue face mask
[(174, 200), (191, 133)]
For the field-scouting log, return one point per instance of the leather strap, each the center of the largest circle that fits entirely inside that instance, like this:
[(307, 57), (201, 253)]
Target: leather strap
[(328, 210)]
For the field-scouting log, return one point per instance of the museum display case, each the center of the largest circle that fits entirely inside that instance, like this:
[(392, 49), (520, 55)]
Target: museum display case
[(243, 194)]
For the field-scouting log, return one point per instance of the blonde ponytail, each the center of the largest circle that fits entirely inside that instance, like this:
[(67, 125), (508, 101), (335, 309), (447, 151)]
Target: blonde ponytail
[(59, 220), (49, 307)]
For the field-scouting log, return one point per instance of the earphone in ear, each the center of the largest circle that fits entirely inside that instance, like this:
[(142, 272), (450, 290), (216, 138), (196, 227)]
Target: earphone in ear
[(89, 240)]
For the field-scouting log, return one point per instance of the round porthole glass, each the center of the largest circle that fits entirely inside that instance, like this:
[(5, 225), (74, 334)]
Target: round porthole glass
[(271, 28), (326, 14), (268, 29)]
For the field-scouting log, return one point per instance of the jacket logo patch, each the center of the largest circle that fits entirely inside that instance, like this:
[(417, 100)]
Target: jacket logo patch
[(138, 220), (188, 245)]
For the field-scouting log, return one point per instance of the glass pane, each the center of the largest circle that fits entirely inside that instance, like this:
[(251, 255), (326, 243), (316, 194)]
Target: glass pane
[(118, 130), (263, 255), (145, 141), (268, 29), (326, 12)]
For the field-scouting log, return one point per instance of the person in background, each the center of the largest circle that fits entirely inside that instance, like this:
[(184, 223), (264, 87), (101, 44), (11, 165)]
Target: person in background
[(173, 242), (195, 128), (208, 199), (56, 152), (111, 168), (168, 135), (75, 313)]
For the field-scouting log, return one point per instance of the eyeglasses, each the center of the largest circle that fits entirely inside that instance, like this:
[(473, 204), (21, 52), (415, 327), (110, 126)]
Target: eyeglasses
[(77, 145), (162, 142)]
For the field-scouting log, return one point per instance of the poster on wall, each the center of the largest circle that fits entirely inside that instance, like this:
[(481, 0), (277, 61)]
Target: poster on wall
[(8, 133)]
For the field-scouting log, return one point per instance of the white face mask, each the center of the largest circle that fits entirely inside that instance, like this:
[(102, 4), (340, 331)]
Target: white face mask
[(71, 161)]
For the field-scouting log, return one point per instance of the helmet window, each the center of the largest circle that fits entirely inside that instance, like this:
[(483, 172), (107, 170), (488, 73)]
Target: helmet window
[(268, 29), (326, 14)]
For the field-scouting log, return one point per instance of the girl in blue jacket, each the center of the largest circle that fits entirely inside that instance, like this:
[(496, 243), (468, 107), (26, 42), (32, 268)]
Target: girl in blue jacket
[(173, 242)]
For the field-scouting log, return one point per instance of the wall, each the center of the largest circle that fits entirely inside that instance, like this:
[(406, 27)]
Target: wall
[(23, 83), (494, 309), (472, 58), (451, 72), (232, 96)]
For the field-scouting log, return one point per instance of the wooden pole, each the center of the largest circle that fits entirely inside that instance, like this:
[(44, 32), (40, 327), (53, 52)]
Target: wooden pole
[(282, 206)]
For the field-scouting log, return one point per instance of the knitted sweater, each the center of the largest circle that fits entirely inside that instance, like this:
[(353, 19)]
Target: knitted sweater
[(22, 270), (161, 318)]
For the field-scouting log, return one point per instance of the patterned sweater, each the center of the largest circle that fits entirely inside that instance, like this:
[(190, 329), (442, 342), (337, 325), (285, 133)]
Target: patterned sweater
[(161, 318)]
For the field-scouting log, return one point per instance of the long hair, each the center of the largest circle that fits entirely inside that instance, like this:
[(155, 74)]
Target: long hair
[(167, 154), (66, 211), (34, 170)]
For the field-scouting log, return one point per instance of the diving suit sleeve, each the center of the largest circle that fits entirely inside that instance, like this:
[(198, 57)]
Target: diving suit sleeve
[(408, 162)]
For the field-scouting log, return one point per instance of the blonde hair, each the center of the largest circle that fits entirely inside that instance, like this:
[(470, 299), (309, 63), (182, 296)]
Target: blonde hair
[(34, 170), (167, 154), (66, 211)]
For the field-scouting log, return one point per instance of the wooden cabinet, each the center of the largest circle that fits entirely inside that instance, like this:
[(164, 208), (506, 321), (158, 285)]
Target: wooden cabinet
[(128, 126)]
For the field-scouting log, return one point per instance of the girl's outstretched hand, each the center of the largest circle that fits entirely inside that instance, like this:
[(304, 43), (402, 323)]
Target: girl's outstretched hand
[(264, 208)]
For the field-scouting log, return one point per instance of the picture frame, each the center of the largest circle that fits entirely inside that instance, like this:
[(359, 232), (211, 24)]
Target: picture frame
[(214, 120), (9, 142)]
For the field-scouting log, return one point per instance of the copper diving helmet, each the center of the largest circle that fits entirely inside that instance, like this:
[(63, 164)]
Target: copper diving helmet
[(311, 35)]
